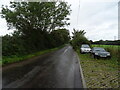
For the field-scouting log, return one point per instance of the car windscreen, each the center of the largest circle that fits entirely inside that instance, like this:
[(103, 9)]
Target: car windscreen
[(99, 50), (85, 46)]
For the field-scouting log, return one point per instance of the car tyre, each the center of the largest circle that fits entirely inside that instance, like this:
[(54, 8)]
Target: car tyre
[(95, 56)]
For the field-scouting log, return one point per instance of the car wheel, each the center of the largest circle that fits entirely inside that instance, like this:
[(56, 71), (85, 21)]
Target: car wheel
[(95, 57)]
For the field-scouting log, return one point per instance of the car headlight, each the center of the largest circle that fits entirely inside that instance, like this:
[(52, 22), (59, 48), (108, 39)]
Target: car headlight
[(96, 53), (108, 54), (88, 49)]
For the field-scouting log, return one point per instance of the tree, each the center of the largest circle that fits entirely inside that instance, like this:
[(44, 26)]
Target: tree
[(28, 16), (34, 22), (60, 36), (79, 38), (91, 42)]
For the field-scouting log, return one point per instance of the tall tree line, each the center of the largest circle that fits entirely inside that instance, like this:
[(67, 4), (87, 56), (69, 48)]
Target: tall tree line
[(39, 26)]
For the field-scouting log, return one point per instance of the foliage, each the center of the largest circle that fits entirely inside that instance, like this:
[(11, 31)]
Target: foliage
[(37, 26), (12, 45), (16, 58), (107, 42), (79, 39), (32, 16), (61, 36)]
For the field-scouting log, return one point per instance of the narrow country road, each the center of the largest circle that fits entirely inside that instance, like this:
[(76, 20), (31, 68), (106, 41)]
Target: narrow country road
[(58, 69)]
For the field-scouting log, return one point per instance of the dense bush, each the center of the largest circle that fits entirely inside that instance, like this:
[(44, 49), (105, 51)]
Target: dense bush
[(17, 45)]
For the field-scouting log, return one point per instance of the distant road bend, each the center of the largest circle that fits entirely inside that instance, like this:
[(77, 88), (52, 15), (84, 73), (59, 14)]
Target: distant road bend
[(58, 69)]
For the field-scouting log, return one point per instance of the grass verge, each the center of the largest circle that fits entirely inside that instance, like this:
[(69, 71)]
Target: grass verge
[(99, 73), (13, 59)]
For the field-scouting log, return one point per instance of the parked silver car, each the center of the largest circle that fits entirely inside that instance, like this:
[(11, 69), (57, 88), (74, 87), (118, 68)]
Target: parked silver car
[(85, 48)]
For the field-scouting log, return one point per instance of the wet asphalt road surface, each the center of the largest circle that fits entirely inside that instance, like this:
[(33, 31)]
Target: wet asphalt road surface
[(58, 69)]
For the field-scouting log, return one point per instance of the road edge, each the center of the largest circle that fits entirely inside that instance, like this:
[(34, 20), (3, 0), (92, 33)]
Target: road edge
[(81, 72)]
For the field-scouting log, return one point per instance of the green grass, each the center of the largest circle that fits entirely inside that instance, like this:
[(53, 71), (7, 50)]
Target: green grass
[(101, 73), (0, 62), (12, 59)]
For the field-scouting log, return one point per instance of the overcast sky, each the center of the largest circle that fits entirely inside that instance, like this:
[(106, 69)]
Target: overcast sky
[(99, 18)]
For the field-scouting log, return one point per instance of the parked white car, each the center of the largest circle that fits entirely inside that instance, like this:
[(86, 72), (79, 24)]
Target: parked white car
[(85, 48)]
